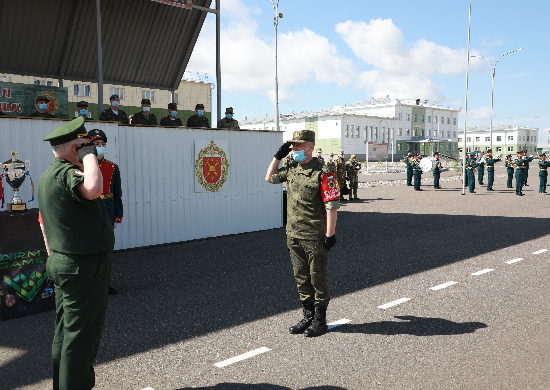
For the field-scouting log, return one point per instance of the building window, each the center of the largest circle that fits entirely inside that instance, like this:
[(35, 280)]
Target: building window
[(448, 121), (478, 139), (469, 139), (415, 117), (149, 95), (347, 131), (5, 79), (510, 138), (429, 119), (510, 148), (460, 140), (408, 132), (415, 134), (422, 118), (376, 134), (408, 117), (442, 134), (487, 139), (468, 150), (499, 138), (454, 121), (117, 91), (177, 100), (435, 118), (454, 134), (351, 134), (442, 120), (399, 147), (81, 90), (422, 132), (400, 132), (400, 116), (430, 133), (448, 134), (460, 150), (357, 129), (499, 148)]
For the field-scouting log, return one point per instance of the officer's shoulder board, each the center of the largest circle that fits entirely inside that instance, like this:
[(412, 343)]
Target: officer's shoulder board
[(77, 172)]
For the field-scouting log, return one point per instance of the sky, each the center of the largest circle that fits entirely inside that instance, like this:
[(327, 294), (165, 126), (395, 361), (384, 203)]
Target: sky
[(333, 53)]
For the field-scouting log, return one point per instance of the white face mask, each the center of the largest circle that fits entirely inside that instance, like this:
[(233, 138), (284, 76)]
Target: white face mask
[(115, 103)]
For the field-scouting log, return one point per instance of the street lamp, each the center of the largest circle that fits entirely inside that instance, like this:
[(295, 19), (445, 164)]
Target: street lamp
[(276, 17), (493, 71)]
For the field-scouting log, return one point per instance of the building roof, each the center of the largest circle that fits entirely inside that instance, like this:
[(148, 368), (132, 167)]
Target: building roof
[(483, 129), (145, 43)]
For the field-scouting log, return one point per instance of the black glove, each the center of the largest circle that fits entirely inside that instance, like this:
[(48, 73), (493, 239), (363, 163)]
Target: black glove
[(347, 178), (84, 150), (283, 151), (330, 241)]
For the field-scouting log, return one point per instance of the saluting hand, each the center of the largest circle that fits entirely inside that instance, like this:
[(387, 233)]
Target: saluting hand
[(283, 151), (85, 149)]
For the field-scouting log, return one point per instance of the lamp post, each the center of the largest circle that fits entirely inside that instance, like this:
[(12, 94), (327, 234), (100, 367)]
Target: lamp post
[(493, 71), (276, 16)]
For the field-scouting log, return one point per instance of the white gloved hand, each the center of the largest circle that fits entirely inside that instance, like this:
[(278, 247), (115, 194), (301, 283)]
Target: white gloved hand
[(116, 225)]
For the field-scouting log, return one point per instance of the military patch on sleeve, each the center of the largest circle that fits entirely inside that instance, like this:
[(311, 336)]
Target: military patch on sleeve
[(78, 172), (329, 187)]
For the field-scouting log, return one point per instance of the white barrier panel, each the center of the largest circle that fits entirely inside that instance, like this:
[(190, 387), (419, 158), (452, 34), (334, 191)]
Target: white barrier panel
[(159, 174)]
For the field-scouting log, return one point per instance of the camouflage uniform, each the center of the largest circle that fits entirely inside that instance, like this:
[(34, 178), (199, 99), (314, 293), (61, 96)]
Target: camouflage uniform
[(228, 124), (341, 170), (352, 171), (319, 156), (331, 165), (198, 121)]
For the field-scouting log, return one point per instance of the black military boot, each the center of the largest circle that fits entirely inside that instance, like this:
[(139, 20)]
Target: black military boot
[(309, 310), (319, 324)]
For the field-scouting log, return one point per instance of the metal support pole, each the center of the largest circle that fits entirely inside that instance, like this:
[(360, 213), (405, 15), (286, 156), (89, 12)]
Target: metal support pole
[(99, 59), (466, 98), (276, 23), (218, 64)]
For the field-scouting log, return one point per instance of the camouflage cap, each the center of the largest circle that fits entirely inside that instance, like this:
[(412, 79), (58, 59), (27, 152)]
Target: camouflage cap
[(302, 136), (320, 150), (68, 132), (229, 110), (172, 106), (82, 103), (353, 155), (145, 101), (199, 106)]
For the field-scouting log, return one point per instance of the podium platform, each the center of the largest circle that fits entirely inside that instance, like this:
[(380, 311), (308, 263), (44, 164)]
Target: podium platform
[(24, 287)]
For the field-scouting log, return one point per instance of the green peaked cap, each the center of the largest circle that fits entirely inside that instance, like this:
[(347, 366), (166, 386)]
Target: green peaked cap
[(69, 131)]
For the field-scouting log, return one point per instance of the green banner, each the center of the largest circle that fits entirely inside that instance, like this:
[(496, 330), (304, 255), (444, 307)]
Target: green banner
[(19, 99)]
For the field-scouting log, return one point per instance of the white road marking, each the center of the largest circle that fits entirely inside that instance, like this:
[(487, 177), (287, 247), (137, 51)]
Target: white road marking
[(337, 323), (444, 285), (541, 251), (242, 357), (394, 303), (513, 261), (148, 388), (483, 271)]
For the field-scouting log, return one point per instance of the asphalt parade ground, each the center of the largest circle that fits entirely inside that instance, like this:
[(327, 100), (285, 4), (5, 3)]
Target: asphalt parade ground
[(430, 290)]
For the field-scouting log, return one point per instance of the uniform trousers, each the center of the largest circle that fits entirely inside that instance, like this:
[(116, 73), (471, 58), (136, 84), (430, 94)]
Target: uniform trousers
[(409, 174), (543, 178), (81, 293), (525, 175), (490, 178), (417, 173), (510, 172), (436, 178), (480, 173), (520, 180), (353, 185), (471, 180), (309, 262)]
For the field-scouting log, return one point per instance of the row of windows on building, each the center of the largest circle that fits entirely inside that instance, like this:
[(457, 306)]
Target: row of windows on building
[(445, 147), (499, 149), (436, 119), (526, 138), (353, 131)]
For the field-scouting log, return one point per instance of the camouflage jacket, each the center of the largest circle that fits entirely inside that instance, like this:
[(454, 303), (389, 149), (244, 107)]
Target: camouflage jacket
[(320, 159), (340, 168), (306, 211), (352, 169), (228, 124), (331, 165), (198, 121), (108, 115)]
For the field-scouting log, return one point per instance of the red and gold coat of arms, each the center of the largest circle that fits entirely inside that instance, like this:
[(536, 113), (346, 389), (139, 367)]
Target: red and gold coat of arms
[(211, 167)]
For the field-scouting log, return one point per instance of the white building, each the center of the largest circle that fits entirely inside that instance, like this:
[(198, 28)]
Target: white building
[(401, 124), (507, 139)]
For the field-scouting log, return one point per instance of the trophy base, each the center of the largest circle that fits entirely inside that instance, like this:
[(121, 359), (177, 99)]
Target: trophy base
[(17, 207)]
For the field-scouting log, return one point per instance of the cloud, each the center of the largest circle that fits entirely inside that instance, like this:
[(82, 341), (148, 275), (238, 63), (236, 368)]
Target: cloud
[(480, 113)]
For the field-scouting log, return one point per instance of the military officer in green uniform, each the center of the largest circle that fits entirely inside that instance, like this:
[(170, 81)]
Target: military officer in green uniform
[(144, 117), (79, 239), (198, 120), (471, 164), (341, 170), (408, 160), (543, 173), (114, 113), (313, 200), (480, 169), (228, 122), (490, 162), (42, 104), (417, 171), (510, 166), (352, 171), (520, 162), (437, 171), (526, 170)]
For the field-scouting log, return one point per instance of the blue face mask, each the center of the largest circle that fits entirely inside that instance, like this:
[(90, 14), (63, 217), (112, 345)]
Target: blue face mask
[(174, 113), (200, 112), (83, 112), (115, 103), (101, 150), (299, 155), (229, 116), (146, 109), (43, 106)]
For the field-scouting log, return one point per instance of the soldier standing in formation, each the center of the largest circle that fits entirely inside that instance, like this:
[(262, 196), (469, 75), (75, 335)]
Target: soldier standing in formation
[(437, 171), (471, 164), (330, 163), (526, 171), (228, 122), (320, 156), (520, 163), (198, 120), (42, 104), (490, 161), (417, 171), (144, 117), (509, 164), (480, 169), (543, 173), (311, 226), (352, 171), (112, 187), (341, 170), (83, 110), (113, 113), (79, 239), (172, 118), (407, 160)]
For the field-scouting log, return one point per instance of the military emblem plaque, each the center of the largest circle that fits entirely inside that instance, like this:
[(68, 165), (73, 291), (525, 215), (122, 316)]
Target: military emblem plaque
[(211, 165)]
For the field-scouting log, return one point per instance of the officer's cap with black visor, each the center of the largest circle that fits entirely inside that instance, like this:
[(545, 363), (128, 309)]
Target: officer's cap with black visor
[(68, 132), (97, 134)]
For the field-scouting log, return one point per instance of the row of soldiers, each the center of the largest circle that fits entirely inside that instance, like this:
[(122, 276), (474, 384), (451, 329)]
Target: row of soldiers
[(414, 170), (346, 171), (518, 166)]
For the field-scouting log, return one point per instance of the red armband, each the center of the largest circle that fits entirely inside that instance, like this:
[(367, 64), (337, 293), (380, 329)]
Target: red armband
[(118, 219), (329, 187)]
